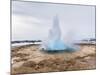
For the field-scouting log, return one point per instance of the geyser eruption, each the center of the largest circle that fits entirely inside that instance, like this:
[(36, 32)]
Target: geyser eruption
[(54, 43)]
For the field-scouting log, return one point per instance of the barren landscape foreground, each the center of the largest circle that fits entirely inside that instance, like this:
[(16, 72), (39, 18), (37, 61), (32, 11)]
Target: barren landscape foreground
[(30, 59)]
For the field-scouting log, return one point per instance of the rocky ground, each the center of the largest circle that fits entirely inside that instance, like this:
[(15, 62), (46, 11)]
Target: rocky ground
[(30, 59)]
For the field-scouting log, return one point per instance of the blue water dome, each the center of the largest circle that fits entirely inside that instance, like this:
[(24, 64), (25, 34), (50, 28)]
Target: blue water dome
[(54, 43)]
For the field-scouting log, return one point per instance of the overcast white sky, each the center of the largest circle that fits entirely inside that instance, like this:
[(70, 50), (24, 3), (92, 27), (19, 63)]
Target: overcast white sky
[(32, 20)]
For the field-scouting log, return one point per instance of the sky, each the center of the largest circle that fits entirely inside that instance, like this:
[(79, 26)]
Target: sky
[(33, 20)]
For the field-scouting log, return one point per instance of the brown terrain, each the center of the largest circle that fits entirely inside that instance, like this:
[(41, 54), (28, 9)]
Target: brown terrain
[(30, 59)]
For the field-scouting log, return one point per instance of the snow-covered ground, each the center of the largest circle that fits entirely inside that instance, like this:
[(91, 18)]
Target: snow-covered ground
[(26, 43), (20, 44)]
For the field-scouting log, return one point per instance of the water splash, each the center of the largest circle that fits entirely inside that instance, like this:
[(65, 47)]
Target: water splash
[(54, 43)]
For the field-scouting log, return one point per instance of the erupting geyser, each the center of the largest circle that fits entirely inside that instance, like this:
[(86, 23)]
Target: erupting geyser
[(54, 43)]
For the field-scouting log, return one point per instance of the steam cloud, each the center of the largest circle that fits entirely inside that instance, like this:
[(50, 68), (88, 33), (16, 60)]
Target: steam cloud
[(54, 43)]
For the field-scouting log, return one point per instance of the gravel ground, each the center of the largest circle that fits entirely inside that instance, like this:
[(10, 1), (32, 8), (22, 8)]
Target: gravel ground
[(30, 59)]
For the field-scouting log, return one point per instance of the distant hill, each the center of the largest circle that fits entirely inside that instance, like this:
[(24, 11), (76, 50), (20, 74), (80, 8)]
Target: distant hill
[(26, 41), (90, 39)]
